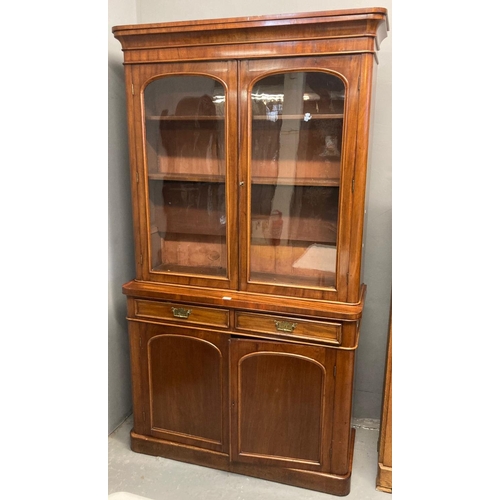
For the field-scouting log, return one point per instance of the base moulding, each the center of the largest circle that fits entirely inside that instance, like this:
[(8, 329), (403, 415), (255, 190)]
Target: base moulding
[(339, 485)]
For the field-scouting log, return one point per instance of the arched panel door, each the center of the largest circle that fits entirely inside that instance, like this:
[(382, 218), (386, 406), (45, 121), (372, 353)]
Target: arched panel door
[(282, 404), (187, 118), (297, 158), (188, 390)]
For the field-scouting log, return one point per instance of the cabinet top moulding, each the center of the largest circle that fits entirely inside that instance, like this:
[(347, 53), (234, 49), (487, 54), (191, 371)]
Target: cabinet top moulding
[(326, 32)]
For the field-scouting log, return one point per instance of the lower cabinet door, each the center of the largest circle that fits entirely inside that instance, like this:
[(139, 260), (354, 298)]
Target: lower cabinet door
[(281, 404), (184, 372)]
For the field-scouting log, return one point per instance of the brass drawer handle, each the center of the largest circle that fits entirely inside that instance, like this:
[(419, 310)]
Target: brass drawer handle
[(285, 326), (180, 312)]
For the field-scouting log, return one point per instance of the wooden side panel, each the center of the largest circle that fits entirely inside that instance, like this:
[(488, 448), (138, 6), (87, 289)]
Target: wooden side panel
[(282, 404), (342, 430), (384, 474), (139, 377), (365, 105)]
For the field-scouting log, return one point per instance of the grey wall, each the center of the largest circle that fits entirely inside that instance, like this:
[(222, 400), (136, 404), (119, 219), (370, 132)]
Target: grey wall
[(120, 241), (377, 261)]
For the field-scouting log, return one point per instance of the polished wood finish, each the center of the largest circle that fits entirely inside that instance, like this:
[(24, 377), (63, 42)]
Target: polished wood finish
[(348, 67), (182, 313), (248, 301), (242, 357), (317, 33), (334, 484), (281, 397), (183, 396), (222, 71), (295, 328), (384, 472)]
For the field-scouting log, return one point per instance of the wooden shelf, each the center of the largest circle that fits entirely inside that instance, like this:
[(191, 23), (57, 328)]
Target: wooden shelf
[(293, 280), (217, 179), (184, 118), (281, 264), (296, 181), (297, 172), (160, 176), (172, 219), (301, 230), (201, 270), (317, 116)]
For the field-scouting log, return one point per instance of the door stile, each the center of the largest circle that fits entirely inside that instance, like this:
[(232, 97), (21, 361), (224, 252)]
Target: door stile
[(232, 194), (244, 185)]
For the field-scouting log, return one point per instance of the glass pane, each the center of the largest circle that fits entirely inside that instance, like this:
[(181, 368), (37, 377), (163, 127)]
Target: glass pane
[(185, 132), (297, 123)]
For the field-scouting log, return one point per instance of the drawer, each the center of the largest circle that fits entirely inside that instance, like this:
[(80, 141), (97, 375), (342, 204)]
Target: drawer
[(183, 313), (289, 327)]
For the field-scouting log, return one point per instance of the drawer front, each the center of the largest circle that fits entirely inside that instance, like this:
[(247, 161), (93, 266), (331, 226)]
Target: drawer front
[(289, 327), (182, 313)]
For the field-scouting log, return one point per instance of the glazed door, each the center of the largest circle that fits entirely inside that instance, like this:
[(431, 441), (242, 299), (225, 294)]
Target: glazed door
[(182, 374), (282, 404), (299, 130), (187, 117)]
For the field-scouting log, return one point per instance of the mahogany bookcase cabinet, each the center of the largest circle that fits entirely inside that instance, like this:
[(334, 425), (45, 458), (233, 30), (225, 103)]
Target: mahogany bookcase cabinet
[(248, 150)]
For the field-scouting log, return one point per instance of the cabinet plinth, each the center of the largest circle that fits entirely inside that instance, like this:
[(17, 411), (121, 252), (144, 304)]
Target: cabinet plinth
[(249, 144)]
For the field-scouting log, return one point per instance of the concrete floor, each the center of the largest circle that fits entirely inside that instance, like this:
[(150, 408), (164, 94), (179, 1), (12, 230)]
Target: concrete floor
[(157, 478)]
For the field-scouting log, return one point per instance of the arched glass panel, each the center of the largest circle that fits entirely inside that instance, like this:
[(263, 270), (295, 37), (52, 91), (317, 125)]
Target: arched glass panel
[(185, 148), (296, 151)]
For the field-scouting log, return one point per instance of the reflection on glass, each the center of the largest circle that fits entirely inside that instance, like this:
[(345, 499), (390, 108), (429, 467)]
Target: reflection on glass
[(297, 123), (185, 141)]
